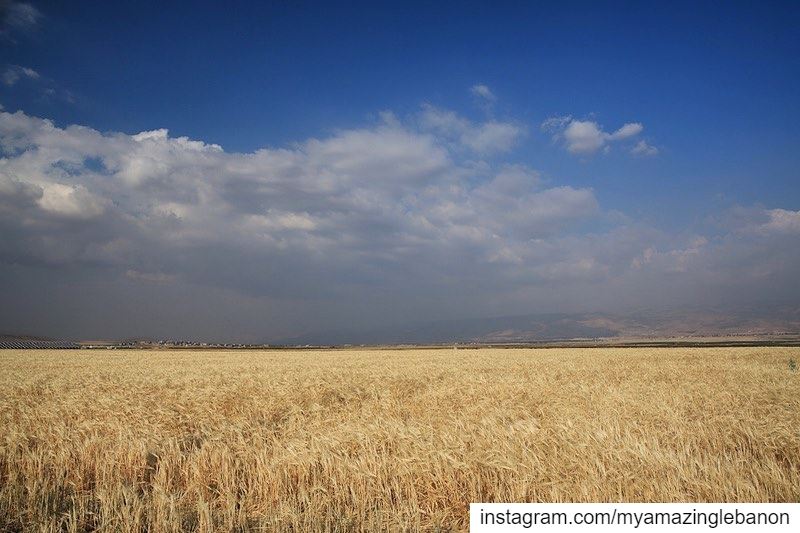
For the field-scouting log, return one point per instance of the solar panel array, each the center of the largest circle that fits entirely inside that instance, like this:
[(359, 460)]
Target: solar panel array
[(23, 344)]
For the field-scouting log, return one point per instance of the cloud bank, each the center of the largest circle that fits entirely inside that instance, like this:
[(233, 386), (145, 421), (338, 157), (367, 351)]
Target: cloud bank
[(421, 216)]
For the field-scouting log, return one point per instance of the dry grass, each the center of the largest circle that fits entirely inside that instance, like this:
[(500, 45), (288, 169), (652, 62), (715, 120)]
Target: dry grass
[(365, 440)]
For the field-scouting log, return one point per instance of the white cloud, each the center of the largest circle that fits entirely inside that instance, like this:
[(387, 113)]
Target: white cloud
[(14, 73), (10, 77), (761, 222), (17, 19), (628, 130), (643, 149), (29, 79), (17, 16), (72, 201), (586, 137), (781, 221), (492, 137), (557, 123), (392, 193), (483, 92), (483, 138), (671, 261), (404, 210)]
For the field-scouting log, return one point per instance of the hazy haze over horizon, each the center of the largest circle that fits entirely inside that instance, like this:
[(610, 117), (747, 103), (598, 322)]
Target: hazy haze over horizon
[(269, 172)]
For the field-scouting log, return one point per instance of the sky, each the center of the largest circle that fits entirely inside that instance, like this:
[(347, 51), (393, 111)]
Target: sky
[(264, 170)]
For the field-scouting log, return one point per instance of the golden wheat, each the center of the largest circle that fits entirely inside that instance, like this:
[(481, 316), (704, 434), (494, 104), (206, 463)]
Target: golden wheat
[(368, 440)]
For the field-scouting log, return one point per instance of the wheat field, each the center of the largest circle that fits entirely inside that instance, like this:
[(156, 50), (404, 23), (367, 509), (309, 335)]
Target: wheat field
[(384, 439)]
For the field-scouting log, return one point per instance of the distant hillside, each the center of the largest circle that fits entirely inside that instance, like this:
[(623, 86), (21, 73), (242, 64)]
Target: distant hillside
[(543, 327), (551, 327)]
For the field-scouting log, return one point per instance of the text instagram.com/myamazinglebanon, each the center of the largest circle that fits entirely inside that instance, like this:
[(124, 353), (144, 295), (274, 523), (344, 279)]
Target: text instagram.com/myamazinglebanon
[(621, 517)]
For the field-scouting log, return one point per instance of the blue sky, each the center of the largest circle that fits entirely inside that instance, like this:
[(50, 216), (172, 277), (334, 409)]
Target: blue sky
[(709, 92), (714, 85)]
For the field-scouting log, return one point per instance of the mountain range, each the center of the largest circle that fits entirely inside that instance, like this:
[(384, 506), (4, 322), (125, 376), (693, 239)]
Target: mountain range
[(568, 326)]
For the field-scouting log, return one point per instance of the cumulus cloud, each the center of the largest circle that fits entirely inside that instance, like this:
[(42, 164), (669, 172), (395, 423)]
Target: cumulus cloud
[(71, 201), (483, 138), (586, 137), (388, 194)]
